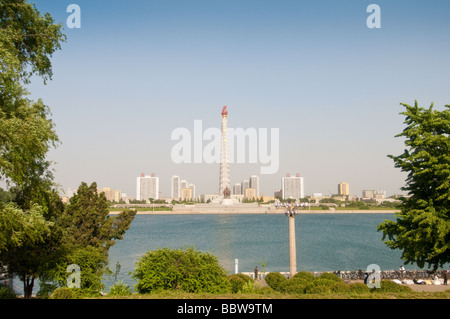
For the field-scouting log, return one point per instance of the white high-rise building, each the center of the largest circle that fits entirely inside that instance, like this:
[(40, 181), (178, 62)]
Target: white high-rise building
[(192, 187), (147, 187), (292, 187), (254, 183), (176, 188)]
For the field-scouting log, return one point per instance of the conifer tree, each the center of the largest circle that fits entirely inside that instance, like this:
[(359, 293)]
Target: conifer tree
[(422, 228)]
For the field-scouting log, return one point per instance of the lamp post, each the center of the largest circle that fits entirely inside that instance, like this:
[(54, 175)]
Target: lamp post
[(291, 213)]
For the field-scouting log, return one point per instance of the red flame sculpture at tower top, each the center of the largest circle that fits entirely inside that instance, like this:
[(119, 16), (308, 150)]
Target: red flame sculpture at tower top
[(224, 111)]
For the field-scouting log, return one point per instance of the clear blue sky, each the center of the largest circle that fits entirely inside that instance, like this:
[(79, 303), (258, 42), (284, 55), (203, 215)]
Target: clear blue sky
[(136, 70)]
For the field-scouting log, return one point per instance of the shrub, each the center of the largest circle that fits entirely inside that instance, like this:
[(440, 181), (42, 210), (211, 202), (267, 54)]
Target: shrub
[(67, 293), (45, 290), (246, 278), (249, 287), (119, 289), (7, 293), (390, 286), (340, 287), (304, 275), (319, 285), (313, 289), (236, 283), (331, 276), (275, 280), (294, 286), (189, 270)]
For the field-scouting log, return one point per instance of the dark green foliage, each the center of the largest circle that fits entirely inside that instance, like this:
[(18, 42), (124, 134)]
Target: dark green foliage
[(236, 282), (275, 280), (246, 278), (6, 293), (422, 228), (87, 220), (89, 232), (186, 269)]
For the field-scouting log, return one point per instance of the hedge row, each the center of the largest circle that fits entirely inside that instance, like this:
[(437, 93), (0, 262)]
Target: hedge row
[(306, 283)]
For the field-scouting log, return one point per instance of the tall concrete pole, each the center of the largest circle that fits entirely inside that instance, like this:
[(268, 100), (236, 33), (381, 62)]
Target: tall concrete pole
[(291, 212), (292, 250)]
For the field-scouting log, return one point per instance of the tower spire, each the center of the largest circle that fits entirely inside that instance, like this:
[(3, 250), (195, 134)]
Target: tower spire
[(224, 181)]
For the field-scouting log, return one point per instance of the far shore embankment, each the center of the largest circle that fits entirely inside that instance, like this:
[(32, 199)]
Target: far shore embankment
[(272, 211)]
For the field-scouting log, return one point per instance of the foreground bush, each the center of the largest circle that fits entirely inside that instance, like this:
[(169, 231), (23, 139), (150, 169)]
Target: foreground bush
[(330, 276), (327, 283), (6, 293), (188, 270), (305, 275), (239, 281), (67, 293), (119, 289), (275, 280)]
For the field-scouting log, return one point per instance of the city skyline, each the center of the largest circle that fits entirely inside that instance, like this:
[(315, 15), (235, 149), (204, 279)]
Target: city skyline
[(252, 182), (135, 71)]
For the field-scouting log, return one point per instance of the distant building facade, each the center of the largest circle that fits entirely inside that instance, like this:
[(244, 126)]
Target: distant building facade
[(292, 187), (250, 193), (369, 194), (186, 194), (111, 195), (147, 187), (343, 189), (254, 183), (237, 189), (175, 188)]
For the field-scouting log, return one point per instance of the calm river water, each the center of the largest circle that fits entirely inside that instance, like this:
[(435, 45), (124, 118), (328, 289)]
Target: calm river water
[(324, 242)]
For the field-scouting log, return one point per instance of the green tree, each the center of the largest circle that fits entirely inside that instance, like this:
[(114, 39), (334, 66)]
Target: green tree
[(89, 232), (23, 237), (27, 42), (422, 228), (187, 269), (87, 220)]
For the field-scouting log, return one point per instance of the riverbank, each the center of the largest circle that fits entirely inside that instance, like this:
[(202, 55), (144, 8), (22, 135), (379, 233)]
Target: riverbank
[(273, 212)]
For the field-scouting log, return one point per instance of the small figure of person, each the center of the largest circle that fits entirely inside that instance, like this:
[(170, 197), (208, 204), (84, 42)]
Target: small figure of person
[(402, 271), (445, 277), (256, 272)]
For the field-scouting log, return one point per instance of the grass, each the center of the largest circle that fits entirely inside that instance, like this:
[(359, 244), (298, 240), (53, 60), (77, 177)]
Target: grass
[(278, 295)]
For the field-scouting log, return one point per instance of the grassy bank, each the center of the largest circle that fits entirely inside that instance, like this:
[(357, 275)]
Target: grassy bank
[(278, 295)]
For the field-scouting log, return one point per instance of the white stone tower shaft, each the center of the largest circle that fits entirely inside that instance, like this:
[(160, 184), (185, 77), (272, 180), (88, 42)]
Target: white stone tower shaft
[(224, 165)]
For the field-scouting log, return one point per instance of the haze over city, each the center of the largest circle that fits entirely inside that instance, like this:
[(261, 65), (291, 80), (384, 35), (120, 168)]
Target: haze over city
[(135, 71)]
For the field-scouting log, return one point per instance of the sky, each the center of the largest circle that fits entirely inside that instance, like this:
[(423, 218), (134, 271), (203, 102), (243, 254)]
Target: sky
[(137, 70)]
